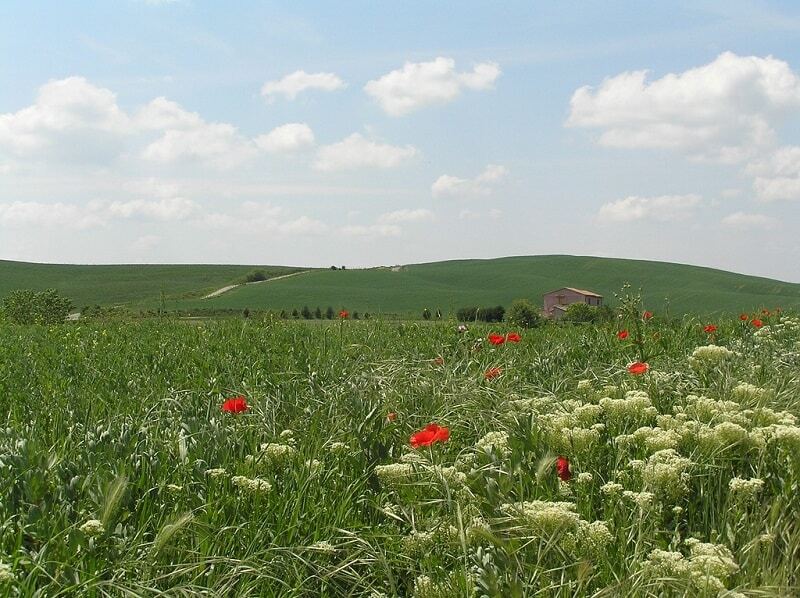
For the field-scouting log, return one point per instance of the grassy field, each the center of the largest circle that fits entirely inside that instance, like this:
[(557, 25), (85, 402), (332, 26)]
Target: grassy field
[(407, 291), (124, 284), (450, 285), (121, 476)]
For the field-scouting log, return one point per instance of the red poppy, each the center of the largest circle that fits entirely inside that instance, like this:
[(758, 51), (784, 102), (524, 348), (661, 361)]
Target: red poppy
[(428, 435), (562, 468), (391, 416), (757, 323), (235, 405), (647, 315), (709, 329), (492, 373), (496, 339), (765, 312), (638, 368), (513, 337), (344, 314), (744, 317), (622, 335), (438, 360)]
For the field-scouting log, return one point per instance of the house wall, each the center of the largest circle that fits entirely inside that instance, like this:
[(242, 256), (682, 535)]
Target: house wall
[(567, 297)]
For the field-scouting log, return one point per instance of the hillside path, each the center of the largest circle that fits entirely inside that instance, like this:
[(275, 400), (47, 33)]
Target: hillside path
[(219, 292)]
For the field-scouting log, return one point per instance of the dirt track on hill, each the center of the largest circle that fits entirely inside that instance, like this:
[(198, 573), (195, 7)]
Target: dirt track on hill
[(219, 292)]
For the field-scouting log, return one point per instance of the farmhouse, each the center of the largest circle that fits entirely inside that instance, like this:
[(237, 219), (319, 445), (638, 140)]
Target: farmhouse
[(556, 302)]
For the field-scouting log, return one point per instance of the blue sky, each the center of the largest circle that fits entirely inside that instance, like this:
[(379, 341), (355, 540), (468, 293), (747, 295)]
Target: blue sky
[(376, 133)]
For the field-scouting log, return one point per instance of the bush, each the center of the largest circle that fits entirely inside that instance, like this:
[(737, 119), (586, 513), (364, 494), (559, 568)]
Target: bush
[(318, 313), (426, 314), (583, 313), (255, 276), (329, 313), (524, 314), (306, 312), (25, 306)]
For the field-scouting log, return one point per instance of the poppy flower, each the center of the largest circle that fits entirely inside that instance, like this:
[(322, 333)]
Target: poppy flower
[(765, 312), (439, 360), (647, 315), (744, 317), (562, 468), (638, 368), (344, 314), (513, 337), (757, 323), (709, 329), (492, 373), (496, 339), (428, 435), (622, 335), (235, 405), (391, 416)]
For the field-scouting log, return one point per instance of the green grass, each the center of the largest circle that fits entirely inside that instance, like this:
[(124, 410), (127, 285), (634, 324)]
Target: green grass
[(124, 284), (450, 285), (121, 423), (439, 285)]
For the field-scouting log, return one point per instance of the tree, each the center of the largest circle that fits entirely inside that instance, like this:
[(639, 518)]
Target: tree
[(295, 313), (284, 315), (426, 314), (329, 313), (355, 315), (246, 313), (334, 268), (306, 312), (318, 313), (255, 276), (524, 314), (25, 306)]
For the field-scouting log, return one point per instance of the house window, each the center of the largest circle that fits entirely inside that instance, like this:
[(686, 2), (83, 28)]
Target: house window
[(560, 299)]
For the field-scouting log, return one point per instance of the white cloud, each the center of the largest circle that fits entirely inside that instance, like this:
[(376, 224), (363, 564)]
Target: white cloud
[(419, 84), (49, 215), (145, 243), (662, 208), (725, 110), (744, 221), (286, 138), (777, 176), (299, 81), (356, 151), (217, 144), (372, 230), (175, 208), (71, 118), (480, 185), (398, 216), (161, 113), (302, 226), (261, 217)]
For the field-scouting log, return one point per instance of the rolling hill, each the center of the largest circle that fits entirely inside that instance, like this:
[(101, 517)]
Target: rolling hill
[(453, 284), (125, 284), (406, 290)]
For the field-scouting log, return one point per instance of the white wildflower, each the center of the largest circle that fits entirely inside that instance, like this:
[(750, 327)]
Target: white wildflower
[(93, 527)]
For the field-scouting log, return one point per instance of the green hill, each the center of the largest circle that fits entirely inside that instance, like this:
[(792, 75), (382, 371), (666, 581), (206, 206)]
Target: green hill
[(128, 284), (406, 290), (453, 284)]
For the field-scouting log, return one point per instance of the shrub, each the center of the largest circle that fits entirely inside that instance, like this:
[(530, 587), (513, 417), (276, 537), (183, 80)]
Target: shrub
[(581, 312), (484, 314), (25, 306), (255, 276), (426, 314), (318, 313), (329, 313), (524, 314), (295, 314), (306, 312)]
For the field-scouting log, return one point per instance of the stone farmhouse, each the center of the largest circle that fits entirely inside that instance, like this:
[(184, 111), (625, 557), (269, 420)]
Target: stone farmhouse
[(556, 302)]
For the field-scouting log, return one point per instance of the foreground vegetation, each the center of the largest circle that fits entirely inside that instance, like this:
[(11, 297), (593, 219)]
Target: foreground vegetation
[(554, 470)]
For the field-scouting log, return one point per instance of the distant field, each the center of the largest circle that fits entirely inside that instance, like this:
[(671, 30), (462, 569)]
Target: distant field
[(405, 291), (450, 285), (128, 284)]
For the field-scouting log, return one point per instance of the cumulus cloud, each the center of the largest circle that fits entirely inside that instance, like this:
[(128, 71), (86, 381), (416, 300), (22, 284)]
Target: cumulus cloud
[(162, 113), (777, 176), (174, 208), (297, 82), (286, 138), (479, 185), (261, 217), (661, 209), (217, 144), (745, 221), (399, 216), (725, 110), (419, 84), (356, 151), (70, 118)]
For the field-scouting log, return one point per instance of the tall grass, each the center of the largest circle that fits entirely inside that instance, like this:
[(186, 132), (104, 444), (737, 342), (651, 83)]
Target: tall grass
[(122, 424)]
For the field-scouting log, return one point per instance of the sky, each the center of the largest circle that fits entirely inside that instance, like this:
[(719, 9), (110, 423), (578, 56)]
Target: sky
[(376, 133)]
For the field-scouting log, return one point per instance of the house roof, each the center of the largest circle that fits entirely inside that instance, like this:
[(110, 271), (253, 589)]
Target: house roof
[(581, 291)]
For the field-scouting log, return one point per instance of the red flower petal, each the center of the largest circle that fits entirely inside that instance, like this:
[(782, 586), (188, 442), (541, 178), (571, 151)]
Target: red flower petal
[(757, 323), (638, 368), (513, 337), (496, 339), (428, 435), (492, 373), (563, 469), (744, 317), (235, 405), (647, 315), (710, 328), (622, 335)]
